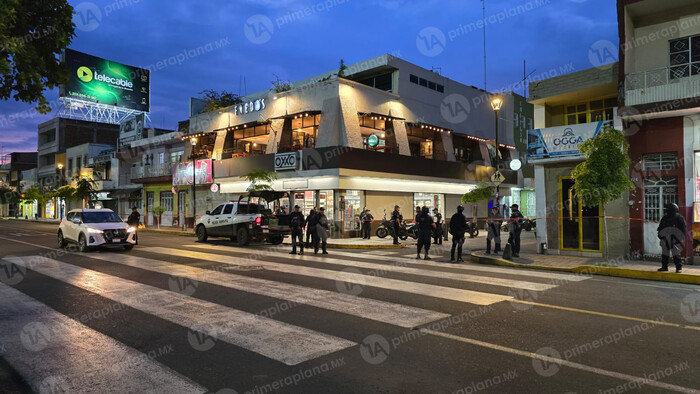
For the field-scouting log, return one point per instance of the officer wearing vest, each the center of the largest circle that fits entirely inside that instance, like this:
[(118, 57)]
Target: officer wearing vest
[(437, 234), (425, 227), (516, 227), (493, 223), (297, 223), (672, 231), (367, 219), (396, 219)]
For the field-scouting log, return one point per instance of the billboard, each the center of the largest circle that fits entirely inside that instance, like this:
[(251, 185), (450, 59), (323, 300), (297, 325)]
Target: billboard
[(182, 173), (103, 81), (131, 129), (560, 141)]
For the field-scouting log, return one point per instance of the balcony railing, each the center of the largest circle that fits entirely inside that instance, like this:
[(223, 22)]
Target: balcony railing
[(151, 171), (661, 84), (104, 184)]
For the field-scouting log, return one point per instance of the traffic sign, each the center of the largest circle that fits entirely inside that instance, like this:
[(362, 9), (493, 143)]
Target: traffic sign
[(497, 178)]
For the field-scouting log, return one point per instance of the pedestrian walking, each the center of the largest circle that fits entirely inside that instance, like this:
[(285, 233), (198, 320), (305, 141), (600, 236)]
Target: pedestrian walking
[(437, 234), (396, 220), (493, 227), (672, 231), (322, 228), (134, 220), (458, 228), (425, 227), (367, 224), (516, 227), (296, 224), (310, 227)]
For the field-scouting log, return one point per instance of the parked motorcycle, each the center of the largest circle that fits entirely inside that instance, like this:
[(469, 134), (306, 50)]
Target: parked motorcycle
[(472, 229), (411, 230), (386, 226), (530, 224)]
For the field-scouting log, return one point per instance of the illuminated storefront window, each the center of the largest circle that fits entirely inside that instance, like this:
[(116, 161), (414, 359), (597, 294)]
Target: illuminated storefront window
[(430, 200), (305, 131), (246, 140), (352, 210)]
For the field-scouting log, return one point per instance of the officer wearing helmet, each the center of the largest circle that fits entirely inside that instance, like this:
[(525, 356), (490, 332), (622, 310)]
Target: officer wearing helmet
[(425, 227), (458, 227), (672, 231)]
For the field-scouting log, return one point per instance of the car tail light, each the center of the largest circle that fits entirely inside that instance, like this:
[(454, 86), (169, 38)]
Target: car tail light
[(258, 221)]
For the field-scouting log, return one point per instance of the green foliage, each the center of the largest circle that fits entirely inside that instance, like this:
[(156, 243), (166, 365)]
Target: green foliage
[(32, 36), (158, 210), (33, 193), (602, 177), (8, 195), (260, 179), (279, 85), (482, 193), (342, 68), (216, 100), (66, 192), (84, 189)]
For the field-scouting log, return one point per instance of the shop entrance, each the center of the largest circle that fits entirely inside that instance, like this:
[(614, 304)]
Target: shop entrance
[(657, 193), (580, 227)]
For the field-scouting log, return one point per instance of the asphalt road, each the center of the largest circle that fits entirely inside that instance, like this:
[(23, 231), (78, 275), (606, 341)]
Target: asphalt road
[(174, 315)]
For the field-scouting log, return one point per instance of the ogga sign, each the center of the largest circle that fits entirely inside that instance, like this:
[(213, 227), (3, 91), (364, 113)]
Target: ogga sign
[(287, 161)]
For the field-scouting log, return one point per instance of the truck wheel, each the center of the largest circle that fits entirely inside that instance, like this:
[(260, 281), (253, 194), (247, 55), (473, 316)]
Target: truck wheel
[(276, 240), (202, 233), (381, 232), (242, 236)]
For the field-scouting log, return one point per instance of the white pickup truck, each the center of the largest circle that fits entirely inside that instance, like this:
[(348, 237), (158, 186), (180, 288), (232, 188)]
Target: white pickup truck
[(248, 219)]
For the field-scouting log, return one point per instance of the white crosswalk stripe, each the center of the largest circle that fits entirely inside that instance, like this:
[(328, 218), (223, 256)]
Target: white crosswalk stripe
[(276, 340), (449, 293), (386, 312), (54, 353), (401, 268)]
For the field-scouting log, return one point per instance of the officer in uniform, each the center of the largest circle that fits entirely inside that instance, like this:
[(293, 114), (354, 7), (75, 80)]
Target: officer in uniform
[(516, 227), (672, 231), (493, 223), (438, 227), (367, 219), (425, 227), (296, 223), (310, 229), (396, 220), (134, 220), (458, 228), (322, 228)]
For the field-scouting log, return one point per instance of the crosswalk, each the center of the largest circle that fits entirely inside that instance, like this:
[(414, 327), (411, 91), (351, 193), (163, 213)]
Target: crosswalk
[(271, 338)]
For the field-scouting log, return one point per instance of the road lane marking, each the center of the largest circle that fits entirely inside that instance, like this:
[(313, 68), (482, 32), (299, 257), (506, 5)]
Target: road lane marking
[(559, 361), (448, 293), (406, 260), (279, 341), (40, 341), (382, 311), (375, 267)]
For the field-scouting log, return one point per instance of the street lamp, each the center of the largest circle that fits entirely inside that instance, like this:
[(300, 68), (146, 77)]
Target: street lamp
[(496, 104), (193, 141), (60, 183)]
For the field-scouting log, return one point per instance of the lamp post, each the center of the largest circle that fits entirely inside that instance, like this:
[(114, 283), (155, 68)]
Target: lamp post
[(60, 183), (193, 141), (496, 104)]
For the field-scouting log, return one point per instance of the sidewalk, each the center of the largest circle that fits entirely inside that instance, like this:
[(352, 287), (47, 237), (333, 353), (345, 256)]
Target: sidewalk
[(358, 243), (594, 266)]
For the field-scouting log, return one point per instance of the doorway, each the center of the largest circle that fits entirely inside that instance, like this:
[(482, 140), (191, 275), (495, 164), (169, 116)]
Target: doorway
[(580, 227), (657, 193)]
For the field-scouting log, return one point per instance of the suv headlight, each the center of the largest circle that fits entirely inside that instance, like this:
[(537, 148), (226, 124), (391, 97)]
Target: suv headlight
[(131, 229), (94, 231)]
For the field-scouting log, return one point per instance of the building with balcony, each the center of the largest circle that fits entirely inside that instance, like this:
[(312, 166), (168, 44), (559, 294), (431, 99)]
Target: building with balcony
[(660, 105), (385, 132), (570, 109)]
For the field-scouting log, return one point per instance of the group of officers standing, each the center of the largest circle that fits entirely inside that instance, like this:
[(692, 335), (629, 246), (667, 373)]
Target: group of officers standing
[(317, 228)]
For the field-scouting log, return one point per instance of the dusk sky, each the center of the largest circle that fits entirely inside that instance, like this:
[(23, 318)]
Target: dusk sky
[(287, 41)]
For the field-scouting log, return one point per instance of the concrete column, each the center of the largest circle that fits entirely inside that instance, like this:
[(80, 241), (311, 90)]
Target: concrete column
[(541, 204), (219, 144), (448, 146), (350, 134), (329, 129), (275, 136)]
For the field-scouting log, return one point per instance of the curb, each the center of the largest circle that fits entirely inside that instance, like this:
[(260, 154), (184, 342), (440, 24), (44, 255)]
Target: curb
[(342, 246), (52, 221), (596, 270), (155, 230)]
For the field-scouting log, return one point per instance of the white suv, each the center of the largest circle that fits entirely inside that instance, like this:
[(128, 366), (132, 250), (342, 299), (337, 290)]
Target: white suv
[(93, 228)]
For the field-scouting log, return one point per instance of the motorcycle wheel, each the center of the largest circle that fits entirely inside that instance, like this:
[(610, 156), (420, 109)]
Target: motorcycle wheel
[(403, 235), (474, 233), (381, 232)]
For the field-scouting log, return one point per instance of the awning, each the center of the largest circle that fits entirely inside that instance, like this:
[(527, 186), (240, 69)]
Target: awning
[(126, 194)]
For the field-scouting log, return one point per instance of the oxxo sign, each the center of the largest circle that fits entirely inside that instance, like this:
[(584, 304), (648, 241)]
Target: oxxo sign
[(287, 161)]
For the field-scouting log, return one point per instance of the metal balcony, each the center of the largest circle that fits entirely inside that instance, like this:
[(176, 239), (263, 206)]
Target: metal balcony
[(661, 84)]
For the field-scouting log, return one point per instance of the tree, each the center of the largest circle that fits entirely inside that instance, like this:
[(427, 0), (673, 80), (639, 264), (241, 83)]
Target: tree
[(8, 195), (482, 193), (216, 100), (342, 68), (602, 177), (32, 36), (158, 212), (260, 179), (66, 192), (34, 193), (280, 85), (85, 190)]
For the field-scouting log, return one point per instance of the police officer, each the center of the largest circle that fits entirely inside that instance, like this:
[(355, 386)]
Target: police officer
[(516, 227), (437, 234), (493, 223), (322, 228), (134, 220), (458, 228), (367, 219), (296, 223), (672, 231), (396, 220), (310, 229), (425, 227)]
